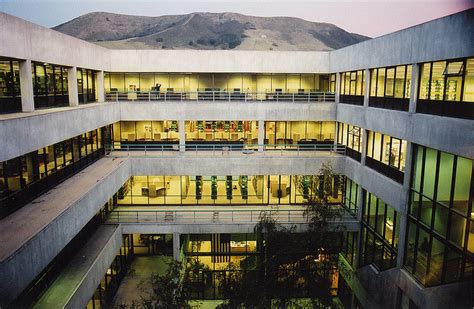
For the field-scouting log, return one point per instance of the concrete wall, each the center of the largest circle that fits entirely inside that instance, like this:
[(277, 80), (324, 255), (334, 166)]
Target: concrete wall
[(444, 38), (22, 266), (209, 165), (24, 40), (227, 111), (96, 271), (383, 187), (219, 61), (452, 135), (24, 133)]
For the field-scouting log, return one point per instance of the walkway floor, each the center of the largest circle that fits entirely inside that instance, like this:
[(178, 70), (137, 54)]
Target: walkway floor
[(22, 225), (136, 283)]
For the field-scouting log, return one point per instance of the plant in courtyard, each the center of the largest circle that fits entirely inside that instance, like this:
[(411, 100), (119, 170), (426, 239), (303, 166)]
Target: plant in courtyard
[(293, 265)]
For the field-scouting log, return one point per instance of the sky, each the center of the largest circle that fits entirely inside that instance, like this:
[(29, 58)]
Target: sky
[(367, 17)]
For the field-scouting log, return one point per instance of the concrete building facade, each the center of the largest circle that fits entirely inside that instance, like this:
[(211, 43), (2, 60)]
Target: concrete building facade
[(88, 136)]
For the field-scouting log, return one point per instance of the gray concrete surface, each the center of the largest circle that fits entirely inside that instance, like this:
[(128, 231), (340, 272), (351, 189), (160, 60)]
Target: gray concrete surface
[(26, 245), (77, 283)]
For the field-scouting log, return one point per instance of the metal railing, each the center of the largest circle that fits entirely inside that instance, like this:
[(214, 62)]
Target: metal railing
[(223, 149), (221, 96), (220, 216)]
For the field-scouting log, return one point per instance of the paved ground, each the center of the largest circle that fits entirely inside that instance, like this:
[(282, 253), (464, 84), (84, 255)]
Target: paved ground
[(139, 274)]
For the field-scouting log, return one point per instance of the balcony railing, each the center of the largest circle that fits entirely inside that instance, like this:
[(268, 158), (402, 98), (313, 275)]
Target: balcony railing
[(225, 149), (217, 216), (222, 96)]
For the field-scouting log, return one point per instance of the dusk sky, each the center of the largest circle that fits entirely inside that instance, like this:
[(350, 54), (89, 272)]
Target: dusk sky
[(369, 17)]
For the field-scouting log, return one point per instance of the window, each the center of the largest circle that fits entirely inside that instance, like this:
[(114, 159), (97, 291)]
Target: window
[(49, 85), (42, 169), (351, 137), (352, 87), (10, 101), (446, 88), (380, 229), (439, 239), (390, 87), (86, 81), (389, 151)]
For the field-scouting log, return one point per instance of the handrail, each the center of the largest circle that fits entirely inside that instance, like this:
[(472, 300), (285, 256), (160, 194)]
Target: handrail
[(222, 216), (226, 149), (221, 96)]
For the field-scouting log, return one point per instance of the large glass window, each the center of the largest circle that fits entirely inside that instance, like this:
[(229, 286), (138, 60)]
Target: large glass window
[(380, 229), (140, 133), (86, 85), (447, 82), (389, 151), (221, 132), (440, 235), (42, 169), (281, 134), (225, 86), (351, 137), (10, 100), (225, 190), (352, 87), (49, 85), (390, 87)]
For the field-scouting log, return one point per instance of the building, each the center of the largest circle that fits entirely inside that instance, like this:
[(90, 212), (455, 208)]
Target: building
[(91, 135)]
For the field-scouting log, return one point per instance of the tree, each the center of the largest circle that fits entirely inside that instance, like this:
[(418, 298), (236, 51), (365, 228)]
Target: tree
[(292, 266)]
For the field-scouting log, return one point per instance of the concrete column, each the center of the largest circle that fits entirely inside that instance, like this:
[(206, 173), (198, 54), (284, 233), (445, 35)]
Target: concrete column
[(338, 86), (182, 135), (363, 151), (415, 80), (176, 245), (360, 205), (26, 87), (100, 86), (72, 86), (404, 204), (261, 134), (366, 87)]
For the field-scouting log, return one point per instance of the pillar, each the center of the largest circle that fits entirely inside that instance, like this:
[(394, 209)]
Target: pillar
[(176, 247), (100, 86), (182, 135), (26, 87), (72, 86), (366, 87), (403, 209), (415, 79), (363, 151), (261, 134), (338, 86)]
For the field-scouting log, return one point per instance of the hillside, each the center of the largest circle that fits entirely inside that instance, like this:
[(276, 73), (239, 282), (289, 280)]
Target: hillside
[(207, 31)]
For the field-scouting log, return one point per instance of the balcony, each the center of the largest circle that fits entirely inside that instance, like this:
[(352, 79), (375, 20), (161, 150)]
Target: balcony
[(397, 104), (212, 218), (456, 109), (226, 149), (222, 96)]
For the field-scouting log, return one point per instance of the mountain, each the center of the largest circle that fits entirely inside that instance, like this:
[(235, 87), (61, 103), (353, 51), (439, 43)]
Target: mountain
[(207, 31)]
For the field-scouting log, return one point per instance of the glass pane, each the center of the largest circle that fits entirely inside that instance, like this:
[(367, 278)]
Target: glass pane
[(425, 81), (408, 82), (373, 82), (444, 178), (436, 262), (390, 83), (462, 184), (458, 229), (430, 172), (418, 164), (399, 81), (468, 95), (437, 81), (441, 219), (381, 83)]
